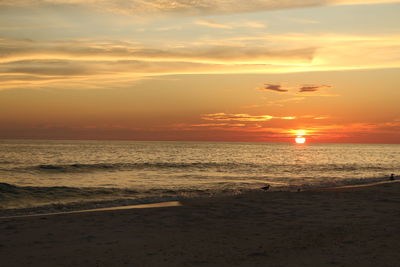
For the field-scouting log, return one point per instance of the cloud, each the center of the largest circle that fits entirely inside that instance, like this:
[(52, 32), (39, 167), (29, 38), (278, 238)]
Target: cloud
[(287, 100), (354, 132), (302, 89), (242, 117), (273, 87), (218, 125), (212, 24), (345, 51), (238, 24), (189, 7), (18, 50), (111, 63), (313, 88), (314, 117), (32, 64)]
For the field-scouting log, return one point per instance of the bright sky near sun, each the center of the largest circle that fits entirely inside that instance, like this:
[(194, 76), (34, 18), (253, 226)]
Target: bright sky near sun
[(222, 70)]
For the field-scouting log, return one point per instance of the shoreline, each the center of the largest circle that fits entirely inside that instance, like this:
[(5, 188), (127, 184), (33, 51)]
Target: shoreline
[(80, 207), (355, 186), (127, 207)]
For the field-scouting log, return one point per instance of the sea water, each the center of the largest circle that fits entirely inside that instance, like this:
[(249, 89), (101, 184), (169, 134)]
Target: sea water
[(37, 173)]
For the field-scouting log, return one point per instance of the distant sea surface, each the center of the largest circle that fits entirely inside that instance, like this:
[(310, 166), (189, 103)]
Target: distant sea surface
[(37, 173)]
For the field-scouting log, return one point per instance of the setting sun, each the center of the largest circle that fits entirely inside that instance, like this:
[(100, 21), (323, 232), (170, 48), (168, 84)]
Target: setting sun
[(300, 140)]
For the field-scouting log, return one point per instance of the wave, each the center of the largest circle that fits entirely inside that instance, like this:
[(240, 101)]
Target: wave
[(12, 196), (20, 197), (329, 182), (330, 167), (200, 166), (78, 167), (23, 200), (6, 162), (61, 190)]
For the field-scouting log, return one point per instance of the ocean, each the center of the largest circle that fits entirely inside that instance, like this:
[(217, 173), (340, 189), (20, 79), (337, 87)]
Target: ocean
[(80, 174)]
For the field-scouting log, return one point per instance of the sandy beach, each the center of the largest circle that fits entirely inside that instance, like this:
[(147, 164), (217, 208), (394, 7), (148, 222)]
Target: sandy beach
[(342, 227)]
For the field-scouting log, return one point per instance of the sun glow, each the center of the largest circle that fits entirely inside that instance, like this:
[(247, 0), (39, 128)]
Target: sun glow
[(300, 140), (299, 133)]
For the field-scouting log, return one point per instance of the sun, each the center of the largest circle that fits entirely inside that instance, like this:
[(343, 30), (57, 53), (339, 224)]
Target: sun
[(300, 140)]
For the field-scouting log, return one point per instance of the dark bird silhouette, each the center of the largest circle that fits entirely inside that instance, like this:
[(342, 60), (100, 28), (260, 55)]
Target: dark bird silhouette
[(392, 177), (265, 188)]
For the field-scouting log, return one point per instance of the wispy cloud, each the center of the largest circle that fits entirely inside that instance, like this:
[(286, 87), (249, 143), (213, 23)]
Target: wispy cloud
[(212, 24), (313, 88), (190, 7), (42, 63), (98, 63), (301, 89), (273, 87), (218, 125), (253, 24), (242, 117), (231, 25), (18, 50)]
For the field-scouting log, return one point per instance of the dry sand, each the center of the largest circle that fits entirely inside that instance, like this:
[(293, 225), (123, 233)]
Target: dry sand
[(343, 227)]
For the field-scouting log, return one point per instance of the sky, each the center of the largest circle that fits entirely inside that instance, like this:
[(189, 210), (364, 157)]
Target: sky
[(197, 70)]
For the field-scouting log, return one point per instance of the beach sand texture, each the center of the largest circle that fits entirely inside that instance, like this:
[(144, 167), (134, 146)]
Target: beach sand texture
[(344, 227)]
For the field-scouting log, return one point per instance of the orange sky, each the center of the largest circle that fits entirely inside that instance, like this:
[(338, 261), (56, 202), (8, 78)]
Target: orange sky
[(203, 71)]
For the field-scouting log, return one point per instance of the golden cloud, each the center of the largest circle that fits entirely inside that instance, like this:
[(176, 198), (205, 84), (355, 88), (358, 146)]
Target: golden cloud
[(99, 64), (213, 24), (242, 117), (17, 50)]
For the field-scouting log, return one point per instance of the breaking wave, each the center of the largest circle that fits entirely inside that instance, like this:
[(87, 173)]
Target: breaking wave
[(14, 197), (23, 196), (199, 166)]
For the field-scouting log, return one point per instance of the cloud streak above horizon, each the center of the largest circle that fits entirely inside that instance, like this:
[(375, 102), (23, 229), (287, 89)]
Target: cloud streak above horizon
[(273, 87), (313, 88), (242, 117), (302, 89), (41, 63)]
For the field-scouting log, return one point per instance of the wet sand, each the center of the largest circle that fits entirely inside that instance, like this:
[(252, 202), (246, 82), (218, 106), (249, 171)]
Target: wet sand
[(357, 226), (128, 207)]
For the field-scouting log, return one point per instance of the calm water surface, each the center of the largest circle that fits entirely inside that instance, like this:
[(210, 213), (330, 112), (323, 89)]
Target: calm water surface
[(43, 172)]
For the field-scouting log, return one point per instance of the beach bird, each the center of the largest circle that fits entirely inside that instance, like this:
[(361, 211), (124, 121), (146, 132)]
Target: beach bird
[(392, 177), (265, 188)]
